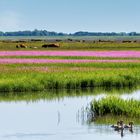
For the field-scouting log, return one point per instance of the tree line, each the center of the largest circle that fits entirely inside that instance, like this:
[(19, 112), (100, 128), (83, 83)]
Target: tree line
[(52, 33)]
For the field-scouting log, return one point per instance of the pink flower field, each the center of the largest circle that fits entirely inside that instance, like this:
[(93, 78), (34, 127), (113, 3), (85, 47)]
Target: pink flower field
[(41, 61), (119, 54), (135, 54)]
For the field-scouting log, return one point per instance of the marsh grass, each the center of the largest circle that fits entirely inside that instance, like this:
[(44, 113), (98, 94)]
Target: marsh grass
[(31, 77), (26, 80), (113, 105)]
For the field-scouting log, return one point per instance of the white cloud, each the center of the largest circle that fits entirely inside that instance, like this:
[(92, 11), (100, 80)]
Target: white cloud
[(9, 21)]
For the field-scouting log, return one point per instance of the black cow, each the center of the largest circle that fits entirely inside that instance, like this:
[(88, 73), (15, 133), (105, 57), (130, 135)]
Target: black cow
[(50, 46)]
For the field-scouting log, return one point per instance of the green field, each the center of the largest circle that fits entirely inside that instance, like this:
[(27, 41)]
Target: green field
[(39, 77), (80, 43)]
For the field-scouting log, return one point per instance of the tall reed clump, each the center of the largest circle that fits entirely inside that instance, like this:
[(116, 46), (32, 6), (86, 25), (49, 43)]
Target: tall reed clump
[(113, 105)]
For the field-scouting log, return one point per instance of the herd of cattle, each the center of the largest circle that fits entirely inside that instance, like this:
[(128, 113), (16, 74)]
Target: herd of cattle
[(56, 45)]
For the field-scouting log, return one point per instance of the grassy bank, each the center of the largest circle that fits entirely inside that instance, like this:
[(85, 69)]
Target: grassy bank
[(13, 80), (112, 105)]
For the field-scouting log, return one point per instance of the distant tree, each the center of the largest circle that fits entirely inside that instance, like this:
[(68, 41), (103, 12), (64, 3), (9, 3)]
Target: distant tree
[(132, 34), (1, 33)]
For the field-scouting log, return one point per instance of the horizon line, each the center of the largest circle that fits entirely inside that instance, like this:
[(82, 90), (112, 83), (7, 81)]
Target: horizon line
[(72, 32)]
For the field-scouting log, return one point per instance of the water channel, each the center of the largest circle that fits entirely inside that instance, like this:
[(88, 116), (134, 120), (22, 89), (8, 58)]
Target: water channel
[(57, 116)]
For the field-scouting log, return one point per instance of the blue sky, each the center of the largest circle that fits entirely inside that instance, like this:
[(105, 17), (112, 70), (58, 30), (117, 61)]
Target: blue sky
[(70, 15)]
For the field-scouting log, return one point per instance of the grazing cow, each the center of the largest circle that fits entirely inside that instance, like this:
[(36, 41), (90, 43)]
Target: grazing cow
[(70, 39), (21, 46), (58, 40), (51, 46), (126, 41)]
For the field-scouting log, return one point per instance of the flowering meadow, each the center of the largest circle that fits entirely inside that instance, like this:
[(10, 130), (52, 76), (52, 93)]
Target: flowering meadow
[(99, 54), (135, 54), (42, 61), (41, 70)]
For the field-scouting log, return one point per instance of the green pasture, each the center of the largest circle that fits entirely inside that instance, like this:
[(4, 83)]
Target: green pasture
[(65, 45)]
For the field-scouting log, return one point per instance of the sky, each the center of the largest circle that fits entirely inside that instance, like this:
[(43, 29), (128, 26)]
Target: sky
[(70, 16)]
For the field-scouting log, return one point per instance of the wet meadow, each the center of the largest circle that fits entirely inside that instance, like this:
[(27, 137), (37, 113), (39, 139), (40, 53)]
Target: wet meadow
[(77, 89)]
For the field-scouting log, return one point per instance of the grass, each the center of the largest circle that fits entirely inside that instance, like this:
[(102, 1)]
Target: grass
[(113, 105), (64, 45), (119, 66), (40, 77), (74, 57), (13, 79)]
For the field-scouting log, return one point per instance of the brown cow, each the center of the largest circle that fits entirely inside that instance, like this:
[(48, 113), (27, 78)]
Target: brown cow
[(21, 46), (51, 45)]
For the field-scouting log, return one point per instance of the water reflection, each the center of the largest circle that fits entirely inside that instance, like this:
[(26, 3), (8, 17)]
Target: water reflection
[(59, 95), (57, 115)]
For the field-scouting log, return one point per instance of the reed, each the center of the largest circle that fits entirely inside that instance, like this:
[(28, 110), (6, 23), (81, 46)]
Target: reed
[(113, 105), (27, 80)]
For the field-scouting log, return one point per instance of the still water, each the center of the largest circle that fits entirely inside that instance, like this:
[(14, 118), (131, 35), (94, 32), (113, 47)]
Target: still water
[(56, 118)]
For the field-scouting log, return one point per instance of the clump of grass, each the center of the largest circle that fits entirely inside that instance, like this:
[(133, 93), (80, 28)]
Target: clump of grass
[(113, 105)]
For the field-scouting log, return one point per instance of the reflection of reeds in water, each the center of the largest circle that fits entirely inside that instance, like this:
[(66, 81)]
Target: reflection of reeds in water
[(112, 119), (84, 115), (58, 95)]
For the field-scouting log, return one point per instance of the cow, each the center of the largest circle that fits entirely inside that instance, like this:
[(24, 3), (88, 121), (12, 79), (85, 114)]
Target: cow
[(126, 41), (21, 46), (69, 39), (51, 45)]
